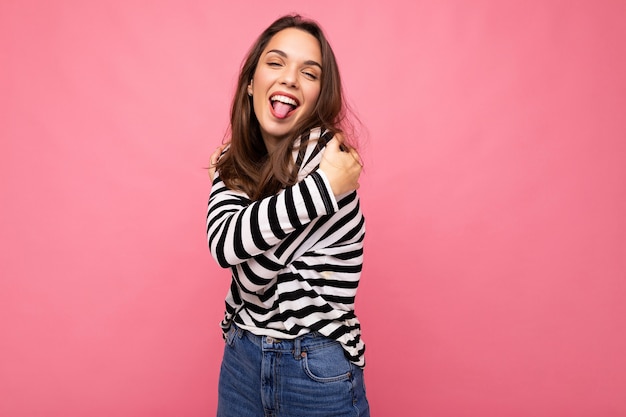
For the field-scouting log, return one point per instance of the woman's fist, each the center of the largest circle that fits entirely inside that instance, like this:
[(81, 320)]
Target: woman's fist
[(342, 166)]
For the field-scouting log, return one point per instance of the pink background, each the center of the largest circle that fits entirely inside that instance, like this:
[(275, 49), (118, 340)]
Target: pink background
[(495, 193)]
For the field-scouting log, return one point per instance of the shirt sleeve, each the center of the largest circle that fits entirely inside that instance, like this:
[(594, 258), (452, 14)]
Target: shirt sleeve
[(239, 230)]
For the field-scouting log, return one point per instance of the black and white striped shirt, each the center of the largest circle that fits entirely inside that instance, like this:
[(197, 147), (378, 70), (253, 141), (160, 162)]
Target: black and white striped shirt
[(295, 257)]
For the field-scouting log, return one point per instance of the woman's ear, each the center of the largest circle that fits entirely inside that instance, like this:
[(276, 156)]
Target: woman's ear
[(250, 88)]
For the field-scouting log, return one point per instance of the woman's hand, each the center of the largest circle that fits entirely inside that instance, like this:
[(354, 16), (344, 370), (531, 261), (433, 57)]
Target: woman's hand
[(215, 156), (342, 166)]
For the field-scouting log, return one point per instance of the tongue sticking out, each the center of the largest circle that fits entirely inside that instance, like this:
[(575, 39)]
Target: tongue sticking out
[(281, 109)]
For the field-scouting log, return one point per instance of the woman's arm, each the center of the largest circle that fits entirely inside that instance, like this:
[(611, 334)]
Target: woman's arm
[(238, 229)]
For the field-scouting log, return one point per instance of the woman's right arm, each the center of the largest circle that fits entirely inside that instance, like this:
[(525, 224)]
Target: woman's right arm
[(239, 229)]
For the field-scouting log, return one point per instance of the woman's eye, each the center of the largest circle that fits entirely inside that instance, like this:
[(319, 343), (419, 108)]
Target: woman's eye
[(274, 64), (310, 75)]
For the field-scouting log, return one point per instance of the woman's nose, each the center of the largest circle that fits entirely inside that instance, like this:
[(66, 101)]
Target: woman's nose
[(289, 77)]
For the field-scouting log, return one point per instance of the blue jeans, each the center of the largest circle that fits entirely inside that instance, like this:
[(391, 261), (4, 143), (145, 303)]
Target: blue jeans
[(304, 377)]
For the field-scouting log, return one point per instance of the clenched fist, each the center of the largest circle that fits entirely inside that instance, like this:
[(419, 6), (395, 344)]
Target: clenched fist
[(342, 166)]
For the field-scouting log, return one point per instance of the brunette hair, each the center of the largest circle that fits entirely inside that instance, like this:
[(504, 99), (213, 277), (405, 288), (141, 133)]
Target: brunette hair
[(246, 165)]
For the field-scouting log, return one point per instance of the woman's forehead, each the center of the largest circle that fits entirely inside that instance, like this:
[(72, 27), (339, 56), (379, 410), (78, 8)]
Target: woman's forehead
[(296, 44)]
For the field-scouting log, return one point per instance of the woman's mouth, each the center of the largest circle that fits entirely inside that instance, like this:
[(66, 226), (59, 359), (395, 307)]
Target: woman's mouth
[(282, 105)]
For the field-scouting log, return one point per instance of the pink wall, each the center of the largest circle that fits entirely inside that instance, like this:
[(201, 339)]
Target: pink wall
[(495, 193)]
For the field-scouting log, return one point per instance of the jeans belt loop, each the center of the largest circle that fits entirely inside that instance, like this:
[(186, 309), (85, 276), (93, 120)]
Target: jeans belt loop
[(297, 348)]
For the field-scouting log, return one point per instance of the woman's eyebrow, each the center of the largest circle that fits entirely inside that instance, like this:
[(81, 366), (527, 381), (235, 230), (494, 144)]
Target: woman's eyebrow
[(284, 55)]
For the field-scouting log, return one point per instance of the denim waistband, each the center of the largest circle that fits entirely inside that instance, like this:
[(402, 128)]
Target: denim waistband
[(306, 342)]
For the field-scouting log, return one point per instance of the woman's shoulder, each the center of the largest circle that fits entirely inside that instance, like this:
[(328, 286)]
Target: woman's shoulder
[(309, 149)]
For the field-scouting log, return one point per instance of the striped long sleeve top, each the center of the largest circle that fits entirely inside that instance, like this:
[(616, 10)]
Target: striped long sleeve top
[(295, 257)]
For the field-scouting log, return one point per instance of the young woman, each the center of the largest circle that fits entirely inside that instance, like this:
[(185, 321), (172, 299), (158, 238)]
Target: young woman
[(284, 216)]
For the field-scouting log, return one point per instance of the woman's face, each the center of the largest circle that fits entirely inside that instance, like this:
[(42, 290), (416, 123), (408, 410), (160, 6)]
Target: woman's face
[(286, 83)]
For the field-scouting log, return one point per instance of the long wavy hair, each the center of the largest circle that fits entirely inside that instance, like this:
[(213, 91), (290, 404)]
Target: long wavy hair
[(247, 166)]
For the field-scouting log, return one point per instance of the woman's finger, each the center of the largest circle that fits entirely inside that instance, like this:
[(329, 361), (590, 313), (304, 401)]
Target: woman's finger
[(214, 159), (356, 156)]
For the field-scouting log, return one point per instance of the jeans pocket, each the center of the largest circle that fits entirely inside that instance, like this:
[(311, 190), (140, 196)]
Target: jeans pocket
[(327, 364)]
